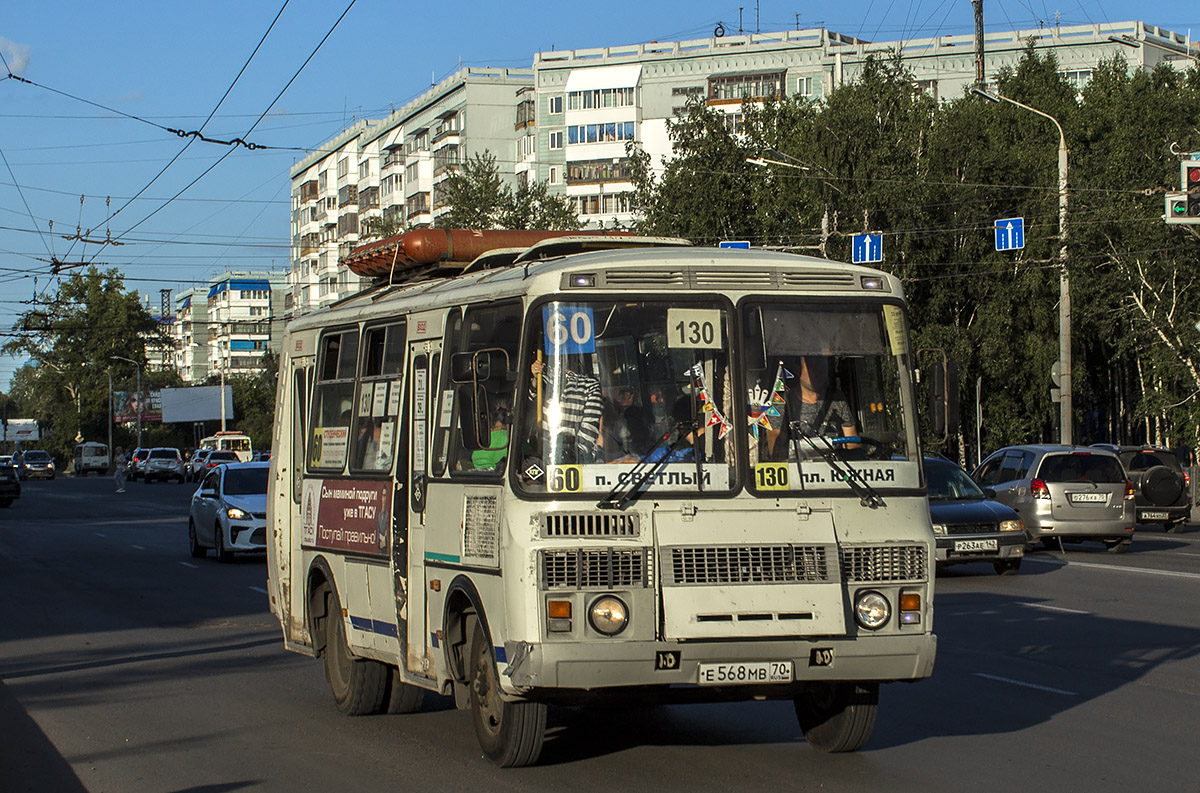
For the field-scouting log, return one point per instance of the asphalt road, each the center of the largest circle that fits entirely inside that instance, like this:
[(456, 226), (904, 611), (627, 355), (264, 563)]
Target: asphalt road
[(127, 666)]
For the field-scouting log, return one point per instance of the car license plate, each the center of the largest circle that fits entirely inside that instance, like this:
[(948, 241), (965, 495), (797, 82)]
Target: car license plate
[(976, 545), (745, 672), (1155, 516), (1087, 498)]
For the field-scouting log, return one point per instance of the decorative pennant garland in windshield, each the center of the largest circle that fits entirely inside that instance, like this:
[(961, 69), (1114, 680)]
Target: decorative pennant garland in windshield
[(714, 416), (764, 406)]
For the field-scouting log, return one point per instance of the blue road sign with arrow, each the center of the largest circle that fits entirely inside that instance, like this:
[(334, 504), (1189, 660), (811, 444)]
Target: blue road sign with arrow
[(1010, 234), (866, 248)]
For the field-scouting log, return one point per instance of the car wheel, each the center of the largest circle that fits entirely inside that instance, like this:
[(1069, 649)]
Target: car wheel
[(219, 550), (197, 550), (1175, 526), (359, 685), (837, 717), (1007, 566), (1118, 546), (510, 733)]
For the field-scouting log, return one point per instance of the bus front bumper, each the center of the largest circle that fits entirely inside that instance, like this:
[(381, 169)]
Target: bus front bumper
[(677, 664)]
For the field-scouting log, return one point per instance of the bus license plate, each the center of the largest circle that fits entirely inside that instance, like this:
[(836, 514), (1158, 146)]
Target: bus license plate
[(746, 672), (975, 545)]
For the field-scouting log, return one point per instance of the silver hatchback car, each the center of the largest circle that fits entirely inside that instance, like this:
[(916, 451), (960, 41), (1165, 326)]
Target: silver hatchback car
[(1072, 493)]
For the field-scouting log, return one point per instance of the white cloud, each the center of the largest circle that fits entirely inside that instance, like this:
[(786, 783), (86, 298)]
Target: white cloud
[(17, 55)]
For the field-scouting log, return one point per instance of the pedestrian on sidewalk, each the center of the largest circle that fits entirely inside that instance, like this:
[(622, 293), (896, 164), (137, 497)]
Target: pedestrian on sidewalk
[(119, 473)]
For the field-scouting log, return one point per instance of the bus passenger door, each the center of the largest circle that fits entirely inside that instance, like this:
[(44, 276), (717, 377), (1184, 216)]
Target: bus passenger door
[(409, 554)]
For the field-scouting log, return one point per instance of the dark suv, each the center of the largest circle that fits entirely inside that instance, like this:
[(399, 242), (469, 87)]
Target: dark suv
[(1161, 489)]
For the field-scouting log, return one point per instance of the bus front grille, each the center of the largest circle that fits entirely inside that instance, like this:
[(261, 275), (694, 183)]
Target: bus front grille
[(880, 563), (590, 524), (756, 564), (594, 568)]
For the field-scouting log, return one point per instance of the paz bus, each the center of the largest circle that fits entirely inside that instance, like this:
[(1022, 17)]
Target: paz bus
[(230, 441), (577, 470)]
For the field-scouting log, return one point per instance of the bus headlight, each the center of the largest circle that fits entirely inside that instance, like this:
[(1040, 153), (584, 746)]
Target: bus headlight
[(608, 615), (872, 610)]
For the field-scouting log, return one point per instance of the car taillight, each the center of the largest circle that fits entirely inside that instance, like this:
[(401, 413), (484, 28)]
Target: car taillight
[(1128, 490), (1038, 489)]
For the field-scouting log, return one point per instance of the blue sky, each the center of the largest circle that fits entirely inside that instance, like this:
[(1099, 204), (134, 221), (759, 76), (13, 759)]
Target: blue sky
[(169, 63)]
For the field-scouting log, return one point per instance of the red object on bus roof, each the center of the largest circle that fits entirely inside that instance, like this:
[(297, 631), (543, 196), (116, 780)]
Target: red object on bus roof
[(422, 247)]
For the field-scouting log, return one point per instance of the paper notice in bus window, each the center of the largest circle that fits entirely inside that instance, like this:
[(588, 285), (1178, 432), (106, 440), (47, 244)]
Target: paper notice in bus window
[(447, 408), (386, 435), (332, 443), (894, 317), (380, 404), (394, 396), (365, 398)]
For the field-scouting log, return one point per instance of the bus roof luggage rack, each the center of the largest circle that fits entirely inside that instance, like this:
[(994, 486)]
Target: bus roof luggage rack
[(449, 252)]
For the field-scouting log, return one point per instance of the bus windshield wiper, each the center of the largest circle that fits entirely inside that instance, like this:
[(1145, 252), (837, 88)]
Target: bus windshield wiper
[(868, 496), (625, 493)]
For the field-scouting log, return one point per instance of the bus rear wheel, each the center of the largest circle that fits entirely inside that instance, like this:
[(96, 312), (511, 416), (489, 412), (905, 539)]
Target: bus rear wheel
[(359, 686), (510, 733), (837, 717)]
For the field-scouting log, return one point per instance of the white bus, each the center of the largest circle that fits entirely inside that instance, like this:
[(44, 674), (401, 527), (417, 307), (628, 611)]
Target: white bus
[(230, 441), (597, 474)]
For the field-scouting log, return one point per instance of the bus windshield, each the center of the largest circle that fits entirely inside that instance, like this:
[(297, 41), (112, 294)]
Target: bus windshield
[(615, 385), (825, 380)]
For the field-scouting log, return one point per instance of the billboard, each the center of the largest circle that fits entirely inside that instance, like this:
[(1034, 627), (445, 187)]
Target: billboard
[(21, 430), (199, 403), (127, 403)]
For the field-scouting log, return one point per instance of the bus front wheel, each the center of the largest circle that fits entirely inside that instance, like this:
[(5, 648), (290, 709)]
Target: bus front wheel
[(838, 717), (359, 686), (510, 733)]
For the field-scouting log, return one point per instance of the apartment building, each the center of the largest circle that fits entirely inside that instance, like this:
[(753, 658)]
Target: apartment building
[(396, 169), (229, 327), (191, 335), (567, 121), (591, 102)]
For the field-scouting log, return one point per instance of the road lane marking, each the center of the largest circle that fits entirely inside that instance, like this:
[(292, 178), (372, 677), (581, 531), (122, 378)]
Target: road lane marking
[(137, 547), (259, 589), (189, 564), (1052, 608), (1026, 685), (1118, 568)]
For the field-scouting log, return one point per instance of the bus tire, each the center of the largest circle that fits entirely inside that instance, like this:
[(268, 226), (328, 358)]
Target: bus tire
[(359, 686), (510, 733), (837, 717), (402, 697)]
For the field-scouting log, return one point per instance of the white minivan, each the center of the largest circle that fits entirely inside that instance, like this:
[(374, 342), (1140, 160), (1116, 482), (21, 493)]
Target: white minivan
[(91, 456)]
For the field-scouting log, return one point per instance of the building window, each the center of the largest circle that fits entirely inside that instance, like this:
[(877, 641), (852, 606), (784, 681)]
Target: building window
[(343, 167), (555, 104), (1079, 78), (745, 86), (805, 86), (554, 175), (600, 133), (555, 140), (600, 98), (585, 171), (364, 169)]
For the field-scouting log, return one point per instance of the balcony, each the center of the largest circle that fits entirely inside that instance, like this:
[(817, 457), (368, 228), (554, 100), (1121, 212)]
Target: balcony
[(308, 191), (368, 198)]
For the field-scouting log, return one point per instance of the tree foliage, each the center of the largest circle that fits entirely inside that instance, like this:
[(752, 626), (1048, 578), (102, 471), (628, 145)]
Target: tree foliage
[(479, 199)]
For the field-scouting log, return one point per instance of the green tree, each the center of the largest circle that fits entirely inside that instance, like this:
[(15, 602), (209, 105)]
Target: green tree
[(532, 206), (476, 194), (69, 341), (254, 401)]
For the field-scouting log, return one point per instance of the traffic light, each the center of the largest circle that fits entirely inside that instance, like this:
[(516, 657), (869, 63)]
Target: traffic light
[(1176, 209), (1190, 176)]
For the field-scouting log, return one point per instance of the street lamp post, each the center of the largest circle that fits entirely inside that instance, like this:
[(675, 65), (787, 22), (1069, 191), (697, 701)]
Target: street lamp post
[(139, 394), (1066, 435)]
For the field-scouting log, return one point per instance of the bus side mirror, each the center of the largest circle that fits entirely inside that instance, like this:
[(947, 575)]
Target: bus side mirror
[(479, 366), (474, 421)]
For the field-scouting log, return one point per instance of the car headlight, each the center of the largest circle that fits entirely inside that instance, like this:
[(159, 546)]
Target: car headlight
[(608, 615), (939, 528), (1012, 525), (50, 466), (872, 610), (237, 514)]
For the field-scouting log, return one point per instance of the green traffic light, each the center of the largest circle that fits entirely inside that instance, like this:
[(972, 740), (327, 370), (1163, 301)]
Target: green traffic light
[(1179, 208)]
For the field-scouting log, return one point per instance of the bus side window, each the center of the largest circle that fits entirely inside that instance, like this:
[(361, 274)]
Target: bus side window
[(443, 405), (333, 401), (484, 370), (380, 385)]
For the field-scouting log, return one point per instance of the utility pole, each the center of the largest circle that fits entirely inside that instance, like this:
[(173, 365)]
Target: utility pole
[(980, 77)]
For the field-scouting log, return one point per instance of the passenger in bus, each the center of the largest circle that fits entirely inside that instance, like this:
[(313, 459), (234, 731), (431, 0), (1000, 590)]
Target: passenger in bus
[(578, 413), (687, 415), (373, 455), (639, 422), (493, 457), (813, 403)]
